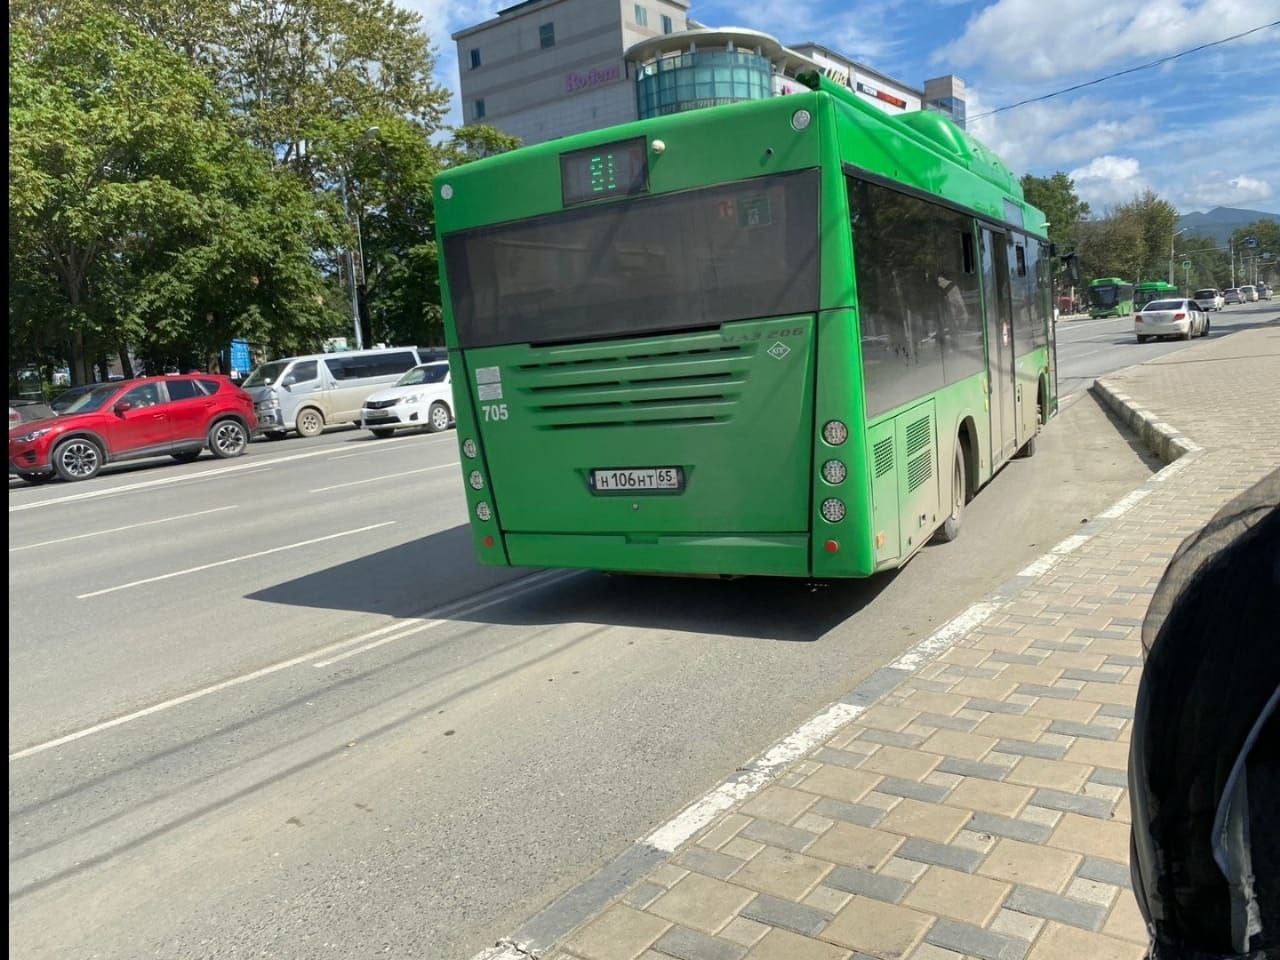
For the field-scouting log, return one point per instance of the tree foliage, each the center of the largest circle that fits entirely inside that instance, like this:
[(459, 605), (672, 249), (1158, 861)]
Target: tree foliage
[(1132, 241), (138, 212), (1056, 196), (177, 170)]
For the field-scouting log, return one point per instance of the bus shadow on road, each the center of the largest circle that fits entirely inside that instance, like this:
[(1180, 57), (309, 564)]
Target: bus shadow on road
[(436, 577)]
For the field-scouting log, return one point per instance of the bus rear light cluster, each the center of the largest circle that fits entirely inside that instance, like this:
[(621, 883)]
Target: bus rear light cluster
[(832, 510), (476, 480), (835, 432), (483, 511), (834, 472), (469, 448)]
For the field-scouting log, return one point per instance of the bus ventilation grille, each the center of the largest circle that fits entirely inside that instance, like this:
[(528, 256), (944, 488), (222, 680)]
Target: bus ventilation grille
[(917, 436), (652, 388), (919, 470), (884, 456)]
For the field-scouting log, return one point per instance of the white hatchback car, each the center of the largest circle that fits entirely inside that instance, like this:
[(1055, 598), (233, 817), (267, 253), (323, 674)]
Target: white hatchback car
[(1171, 318), (423, 397)]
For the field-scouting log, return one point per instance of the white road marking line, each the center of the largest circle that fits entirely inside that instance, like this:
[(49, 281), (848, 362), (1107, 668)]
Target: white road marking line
[(223, 563), (385, 476), (946, 635), (239, 468), (758, 773), (1054, 557), (423, 625), (427, 440), (463, 609), (1124, 504), (131, 526)]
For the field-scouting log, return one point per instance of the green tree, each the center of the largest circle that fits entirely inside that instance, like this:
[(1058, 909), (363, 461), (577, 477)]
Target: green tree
[(134, 203), (1267, 235), (1063, 208), (1157, 219)]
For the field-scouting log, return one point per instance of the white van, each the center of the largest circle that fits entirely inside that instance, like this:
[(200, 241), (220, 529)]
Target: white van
[(1248, 293), (308, 393)]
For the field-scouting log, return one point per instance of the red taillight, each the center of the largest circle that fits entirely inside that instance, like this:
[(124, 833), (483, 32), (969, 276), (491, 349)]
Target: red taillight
[(1137, 319), (488, 541), (832, 546), (1179, 316)]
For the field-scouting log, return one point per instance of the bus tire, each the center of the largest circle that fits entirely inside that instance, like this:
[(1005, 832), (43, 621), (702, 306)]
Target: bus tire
[(950, 528), (310, 422)]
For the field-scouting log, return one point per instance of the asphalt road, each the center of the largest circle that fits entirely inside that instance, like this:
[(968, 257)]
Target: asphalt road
[(1088, 349), (272, 707)]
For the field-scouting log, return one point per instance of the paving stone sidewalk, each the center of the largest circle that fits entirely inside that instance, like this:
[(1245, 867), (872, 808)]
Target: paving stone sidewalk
[(978, 809)]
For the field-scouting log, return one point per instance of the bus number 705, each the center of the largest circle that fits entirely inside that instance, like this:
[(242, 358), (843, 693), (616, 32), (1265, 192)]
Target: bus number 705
[(495, 411)]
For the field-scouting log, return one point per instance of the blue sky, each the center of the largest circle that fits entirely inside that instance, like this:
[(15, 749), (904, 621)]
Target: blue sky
[(1202, 131)]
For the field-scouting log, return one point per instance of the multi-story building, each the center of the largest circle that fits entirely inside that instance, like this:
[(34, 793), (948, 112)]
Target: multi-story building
[(548, 68)]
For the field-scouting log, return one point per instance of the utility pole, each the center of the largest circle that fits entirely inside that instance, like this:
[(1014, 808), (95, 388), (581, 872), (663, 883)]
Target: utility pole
[(351, 270), (1171, 239)]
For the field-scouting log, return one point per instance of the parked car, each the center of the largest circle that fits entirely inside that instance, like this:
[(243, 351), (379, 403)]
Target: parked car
[(1210, 299), (1170, 318), (307, 393), (157, 416), (1232, 295), (422, 397), (68, 396), (1248, 293)]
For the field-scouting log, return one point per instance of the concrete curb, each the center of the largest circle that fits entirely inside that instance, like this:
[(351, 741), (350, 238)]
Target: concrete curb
[(1162, 439)]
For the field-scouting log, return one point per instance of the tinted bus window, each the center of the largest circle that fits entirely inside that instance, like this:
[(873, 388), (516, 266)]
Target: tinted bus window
[(918, 301), (681, 261)]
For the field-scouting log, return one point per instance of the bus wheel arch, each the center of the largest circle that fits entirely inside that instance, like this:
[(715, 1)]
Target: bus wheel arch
[(963, 481), (967, 440)]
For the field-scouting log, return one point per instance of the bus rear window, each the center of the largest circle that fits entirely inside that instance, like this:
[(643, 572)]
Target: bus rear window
[(680, 261)]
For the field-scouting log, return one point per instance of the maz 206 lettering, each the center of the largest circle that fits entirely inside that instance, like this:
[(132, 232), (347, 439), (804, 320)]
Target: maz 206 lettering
[(765, 335), (495, 411)]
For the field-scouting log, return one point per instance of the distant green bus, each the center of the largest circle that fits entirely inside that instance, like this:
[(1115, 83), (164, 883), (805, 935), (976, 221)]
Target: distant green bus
[(1110, 297), (784, 337), (1144, 293)]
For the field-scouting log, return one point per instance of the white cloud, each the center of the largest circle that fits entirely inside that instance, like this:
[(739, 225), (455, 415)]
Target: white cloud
[(1034, 41), (1219, 190), (1057, 133), (1108, 180)]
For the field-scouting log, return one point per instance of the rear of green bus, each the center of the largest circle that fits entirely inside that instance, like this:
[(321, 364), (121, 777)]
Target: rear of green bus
[(1144, 293), (638, 321)]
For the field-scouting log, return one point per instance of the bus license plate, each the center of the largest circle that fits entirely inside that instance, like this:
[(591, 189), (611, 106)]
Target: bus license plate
[(631, 481)]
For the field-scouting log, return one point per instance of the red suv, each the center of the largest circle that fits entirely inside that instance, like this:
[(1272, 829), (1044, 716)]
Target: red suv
[(149, 417)]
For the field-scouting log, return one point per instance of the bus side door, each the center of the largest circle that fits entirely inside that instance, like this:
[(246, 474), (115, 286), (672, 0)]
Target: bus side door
[(999, 327)]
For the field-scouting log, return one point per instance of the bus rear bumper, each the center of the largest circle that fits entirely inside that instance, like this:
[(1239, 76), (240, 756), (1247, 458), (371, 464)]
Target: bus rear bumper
[(772, 555)]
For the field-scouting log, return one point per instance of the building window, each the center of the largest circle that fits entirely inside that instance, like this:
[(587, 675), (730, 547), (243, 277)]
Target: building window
[(477, 110), (475, 58), (642, 16), (547, 35), (667, 26)]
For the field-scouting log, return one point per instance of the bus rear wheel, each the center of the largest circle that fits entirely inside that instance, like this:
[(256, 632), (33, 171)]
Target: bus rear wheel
[(950, 528)]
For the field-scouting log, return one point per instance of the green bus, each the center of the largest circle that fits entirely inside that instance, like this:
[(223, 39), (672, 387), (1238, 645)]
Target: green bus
[(1144, 293), (785, 337), (1110, 297)]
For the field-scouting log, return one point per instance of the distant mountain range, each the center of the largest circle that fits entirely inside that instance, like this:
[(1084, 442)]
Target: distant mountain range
[(1219, 222)]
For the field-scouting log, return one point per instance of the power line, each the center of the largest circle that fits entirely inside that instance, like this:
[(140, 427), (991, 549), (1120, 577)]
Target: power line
[(1121, 73)]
